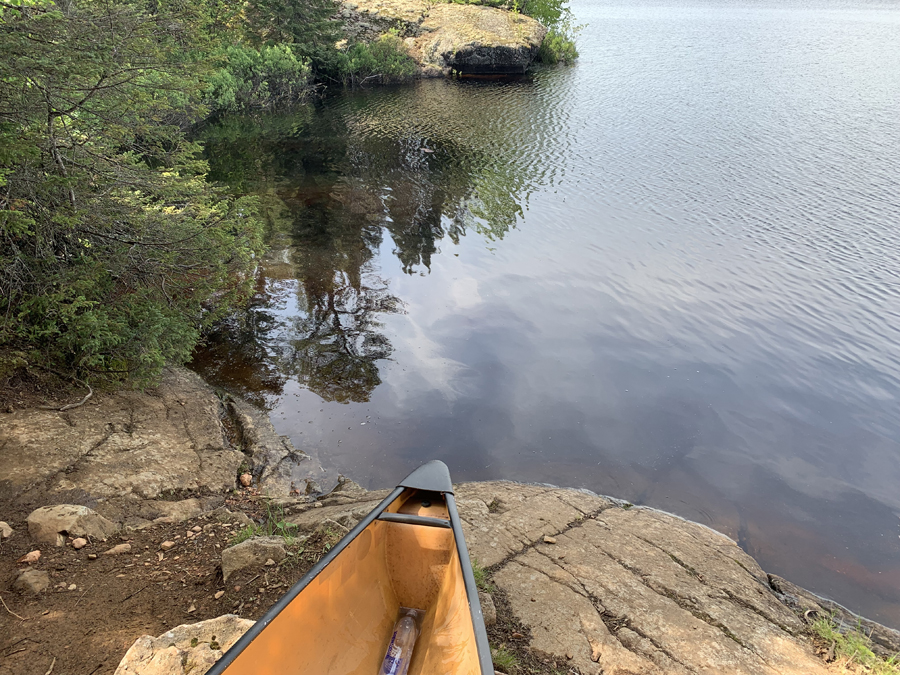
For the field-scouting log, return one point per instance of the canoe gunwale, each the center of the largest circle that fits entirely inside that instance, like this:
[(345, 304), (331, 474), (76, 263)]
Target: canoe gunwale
[(296, 589), (481, 638)]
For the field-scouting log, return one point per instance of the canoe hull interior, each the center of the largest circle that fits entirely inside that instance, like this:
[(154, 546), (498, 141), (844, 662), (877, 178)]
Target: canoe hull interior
[(339, 618)]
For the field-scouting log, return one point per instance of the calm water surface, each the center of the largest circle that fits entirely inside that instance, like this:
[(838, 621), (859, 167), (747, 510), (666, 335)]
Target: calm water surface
[(670, 274)]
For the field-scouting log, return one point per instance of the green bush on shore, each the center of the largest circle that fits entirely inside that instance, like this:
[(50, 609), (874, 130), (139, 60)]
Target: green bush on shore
[(384, 60), (557, 47), (260, 78)]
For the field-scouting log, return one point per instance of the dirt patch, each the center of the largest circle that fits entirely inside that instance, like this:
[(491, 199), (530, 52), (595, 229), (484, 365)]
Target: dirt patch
[(32, 388), (118, 598)]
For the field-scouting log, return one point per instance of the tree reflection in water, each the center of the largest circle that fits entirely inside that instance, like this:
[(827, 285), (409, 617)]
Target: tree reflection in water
[(332, 180)]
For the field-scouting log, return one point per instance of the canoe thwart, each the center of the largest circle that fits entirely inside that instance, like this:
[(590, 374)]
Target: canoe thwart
[(410, 519)]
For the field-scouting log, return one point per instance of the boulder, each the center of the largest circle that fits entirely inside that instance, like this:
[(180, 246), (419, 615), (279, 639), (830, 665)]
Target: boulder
[(476, 40), (32, 581), (50, 524), (189, 649), (253, 552), (446, 37)]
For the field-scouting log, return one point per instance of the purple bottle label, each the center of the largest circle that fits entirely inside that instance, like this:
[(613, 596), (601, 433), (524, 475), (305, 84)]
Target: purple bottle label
[(391, 664)]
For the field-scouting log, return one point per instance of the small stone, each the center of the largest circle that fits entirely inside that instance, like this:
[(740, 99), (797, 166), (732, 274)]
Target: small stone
[(570, 655), (270, 562), (517, 636), (488, 609), (317, 505), (92, 556), (5, 530), (237, 588), (534, 599), (188, 534), (166, 545), (72, 587), (117, 550), (246, 479), (196, 528), (30, 558), (79, 543), (219, 594), (191, 609), (549, 540)]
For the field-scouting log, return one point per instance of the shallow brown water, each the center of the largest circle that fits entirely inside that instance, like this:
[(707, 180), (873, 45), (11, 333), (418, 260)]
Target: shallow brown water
[(669, 274)]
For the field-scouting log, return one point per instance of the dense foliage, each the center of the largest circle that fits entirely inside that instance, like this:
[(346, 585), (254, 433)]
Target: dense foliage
[(114, 250)]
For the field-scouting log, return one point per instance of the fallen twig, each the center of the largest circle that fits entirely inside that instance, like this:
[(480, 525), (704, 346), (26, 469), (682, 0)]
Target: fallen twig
[(67, 377), (128, 597), (82, 596), (10, 611), (72, 405), (50, 669)]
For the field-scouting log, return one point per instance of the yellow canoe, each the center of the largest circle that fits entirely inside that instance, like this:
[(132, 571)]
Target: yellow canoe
[(339, 618)]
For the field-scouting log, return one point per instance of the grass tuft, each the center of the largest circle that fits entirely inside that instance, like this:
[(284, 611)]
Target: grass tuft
[(504, 660), (852, 647), (481, 577), (274, 525)]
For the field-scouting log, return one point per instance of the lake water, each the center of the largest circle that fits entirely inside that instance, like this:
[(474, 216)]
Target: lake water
[(670, 274)]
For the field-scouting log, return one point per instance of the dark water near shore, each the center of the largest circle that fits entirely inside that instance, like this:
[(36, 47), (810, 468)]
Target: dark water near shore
[(669, 274)]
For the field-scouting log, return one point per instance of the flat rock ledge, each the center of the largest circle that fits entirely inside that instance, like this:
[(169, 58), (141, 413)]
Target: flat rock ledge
[(603, 587), (447, 37), (130, 447)]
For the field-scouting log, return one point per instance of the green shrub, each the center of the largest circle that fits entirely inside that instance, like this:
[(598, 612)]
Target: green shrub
[(259, 78), (384, 60), (114, 250), (557, 47)]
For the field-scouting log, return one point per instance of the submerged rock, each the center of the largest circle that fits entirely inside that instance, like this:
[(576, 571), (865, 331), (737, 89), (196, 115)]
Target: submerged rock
[(50, 524), (273, 457), (188, 649)]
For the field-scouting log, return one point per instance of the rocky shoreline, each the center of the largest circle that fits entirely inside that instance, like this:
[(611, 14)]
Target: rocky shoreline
[(447, 38), (136, 522)]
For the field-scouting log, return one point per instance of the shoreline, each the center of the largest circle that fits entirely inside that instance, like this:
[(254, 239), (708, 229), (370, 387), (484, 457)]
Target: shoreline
[(163, 463)]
